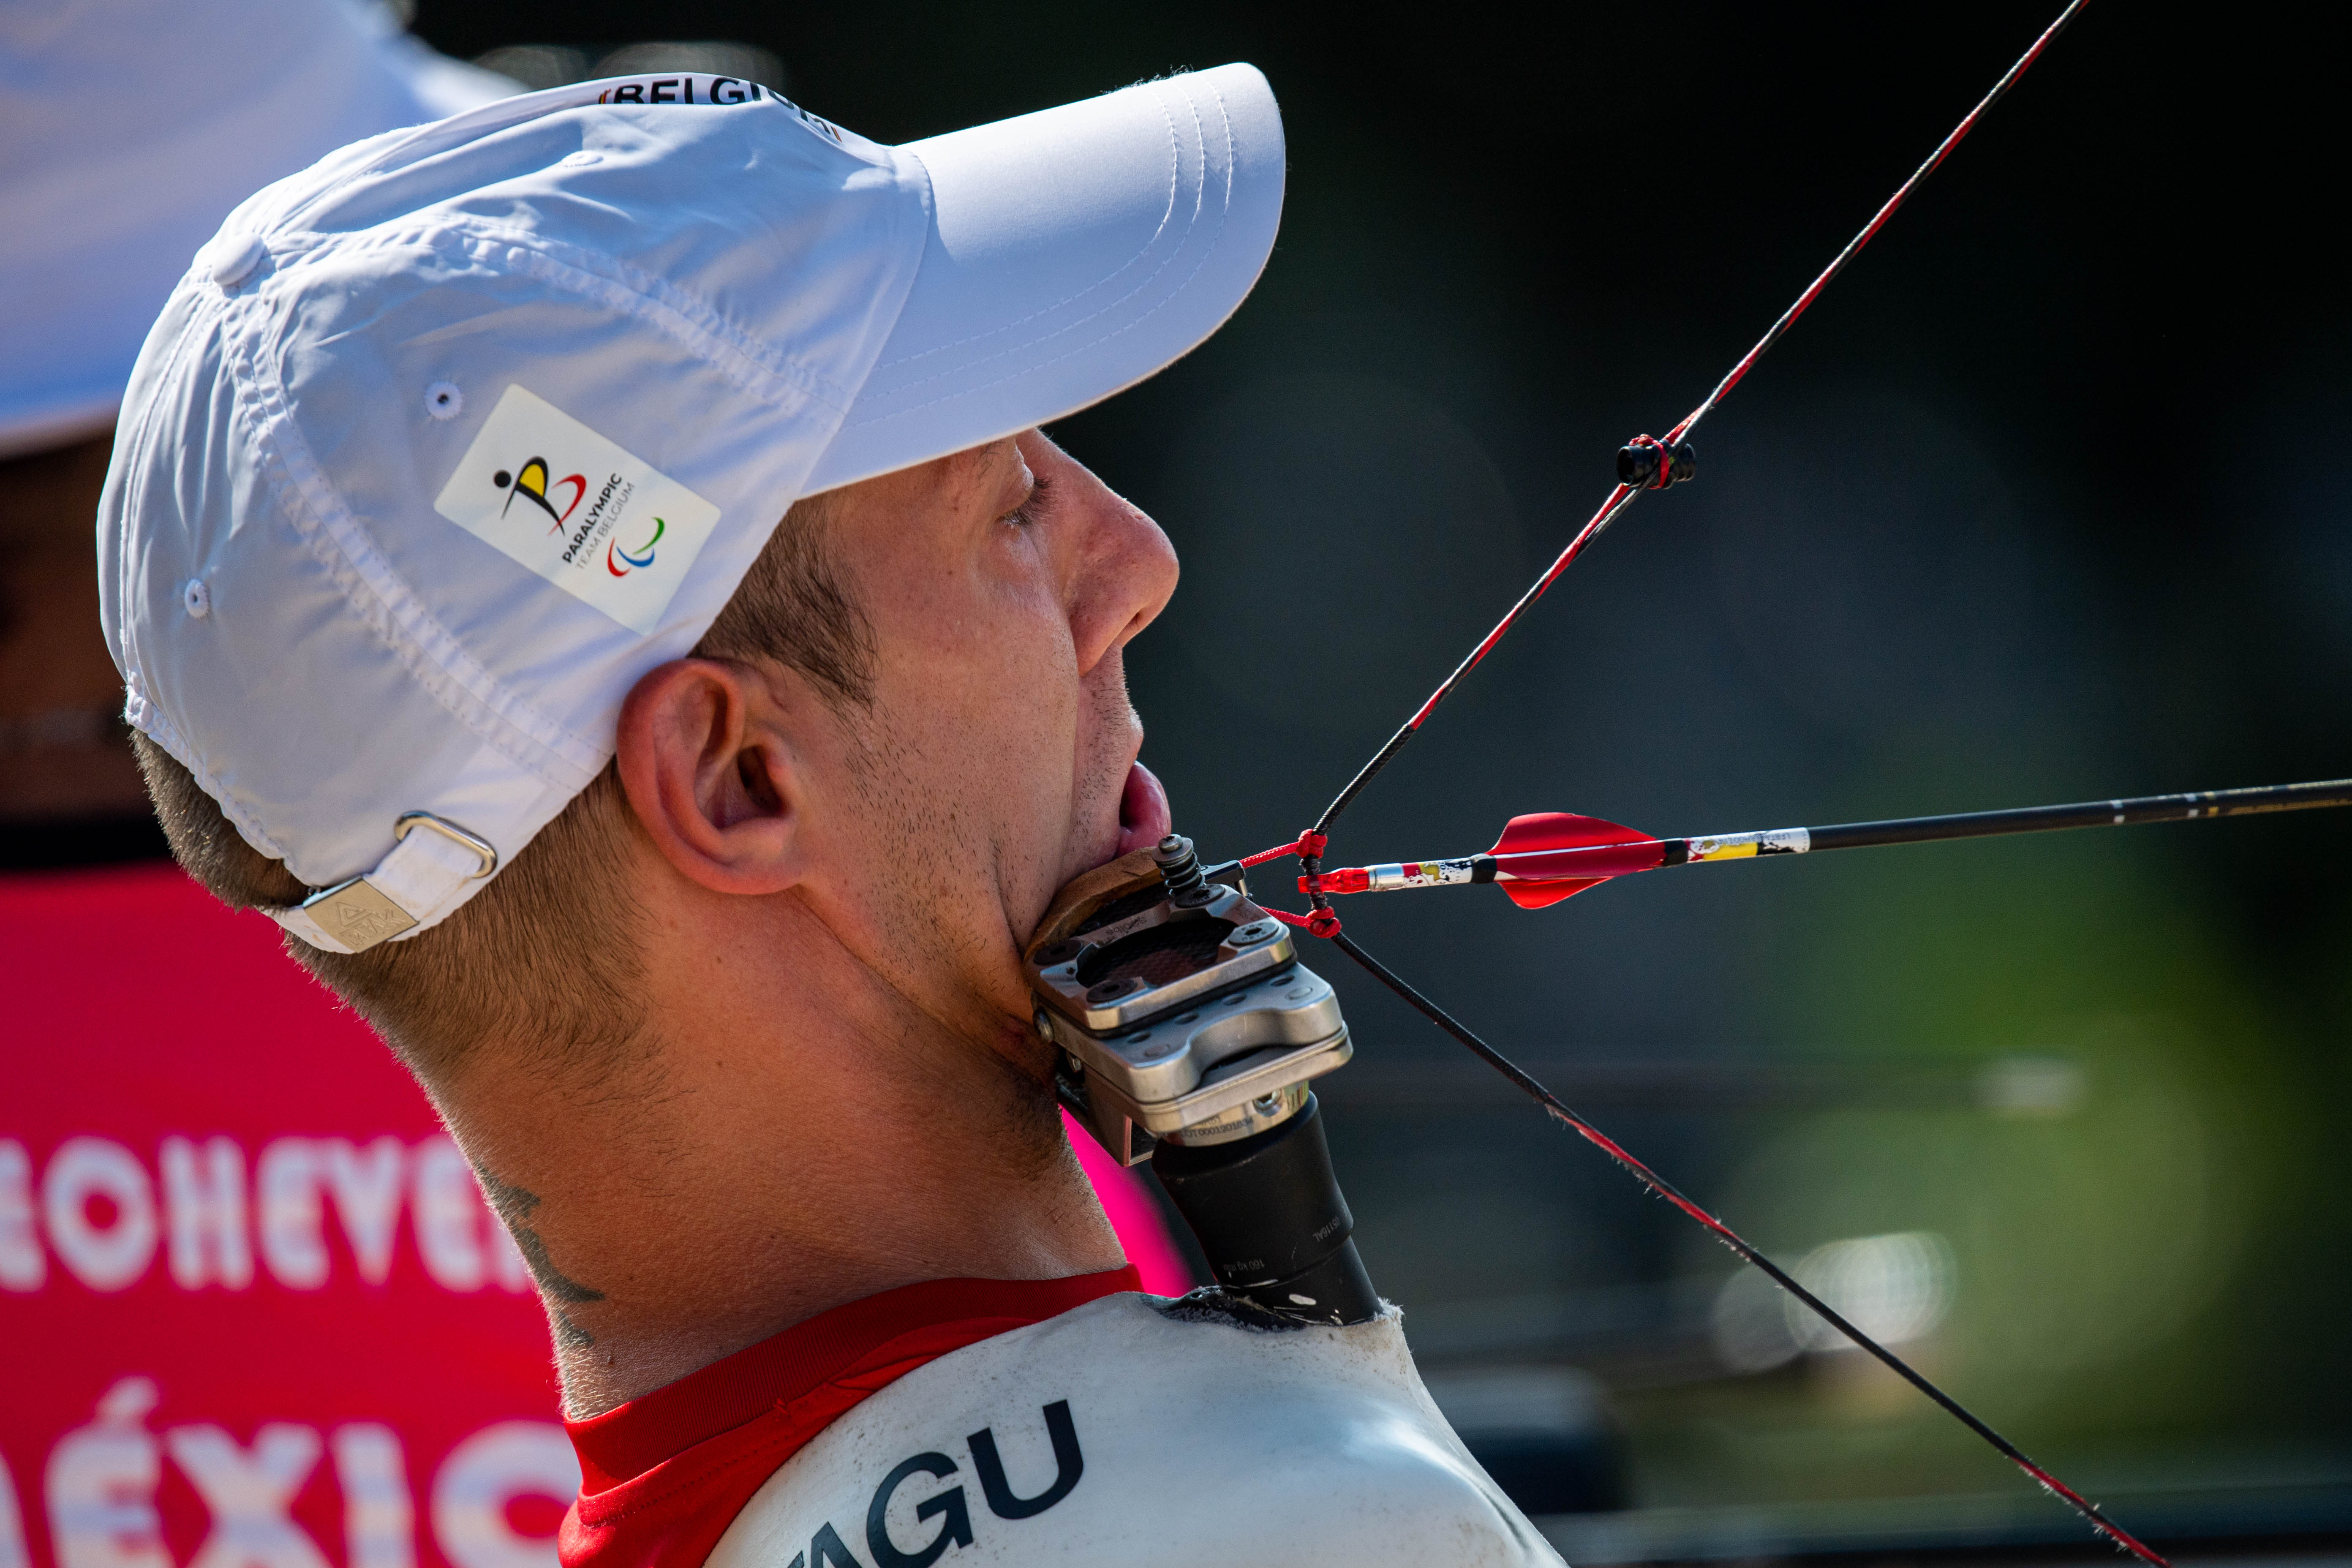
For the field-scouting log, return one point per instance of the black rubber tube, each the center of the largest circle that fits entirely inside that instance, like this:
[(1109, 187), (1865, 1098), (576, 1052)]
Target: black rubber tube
[(1269, 1214)]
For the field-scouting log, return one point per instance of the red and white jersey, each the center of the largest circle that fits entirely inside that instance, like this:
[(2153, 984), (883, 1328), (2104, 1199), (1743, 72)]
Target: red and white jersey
[(1058, 1422)]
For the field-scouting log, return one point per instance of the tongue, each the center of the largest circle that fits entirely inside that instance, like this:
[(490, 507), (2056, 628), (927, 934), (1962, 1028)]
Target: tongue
[(1143, 818)]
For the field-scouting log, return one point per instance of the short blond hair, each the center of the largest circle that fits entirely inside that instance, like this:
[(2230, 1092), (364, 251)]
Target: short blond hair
[(505, 964)]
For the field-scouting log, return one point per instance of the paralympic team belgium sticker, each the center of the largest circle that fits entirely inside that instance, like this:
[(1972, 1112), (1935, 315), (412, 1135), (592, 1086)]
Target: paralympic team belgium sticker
[(599, 523)]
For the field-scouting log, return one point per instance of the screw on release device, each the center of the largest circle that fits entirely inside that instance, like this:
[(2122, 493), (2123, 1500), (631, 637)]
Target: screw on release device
[(1189, 1032)]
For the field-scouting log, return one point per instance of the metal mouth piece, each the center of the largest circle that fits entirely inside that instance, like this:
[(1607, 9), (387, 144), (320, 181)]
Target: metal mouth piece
[(1187, 1035), (1181, 1009)]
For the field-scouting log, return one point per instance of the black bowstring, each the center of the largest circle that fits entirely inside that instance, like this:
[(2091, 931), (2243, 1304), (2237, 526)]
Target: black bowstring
[(1641, 1172)]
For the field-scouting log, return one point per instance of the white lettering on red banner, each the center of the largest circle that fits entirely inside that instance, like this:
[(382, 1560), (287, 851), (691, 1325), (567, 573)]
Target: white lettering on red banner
[(102, 1482), (98, 1211)]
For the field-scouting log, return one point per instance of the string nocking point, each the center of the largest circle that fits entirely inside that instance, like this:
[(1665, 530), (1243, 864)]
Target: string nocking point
[(1646, 463)]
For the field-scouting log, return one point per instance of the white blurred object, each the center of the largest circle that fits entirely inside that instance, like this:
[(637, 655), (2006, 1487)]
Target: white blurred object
[(128, 129), (2032, 1086), (1518, 1401), (1895, 1288)]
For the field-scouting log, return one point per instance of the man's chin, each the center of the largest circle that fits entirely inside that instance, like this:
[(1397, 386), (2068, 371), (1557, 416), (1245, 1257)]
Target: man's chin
[(1143, 815)]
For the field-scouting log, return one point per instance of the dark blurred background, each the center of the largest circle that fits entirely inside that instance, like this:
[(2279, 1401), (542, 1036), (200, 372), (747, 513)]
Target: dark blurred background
[(2046, 500)]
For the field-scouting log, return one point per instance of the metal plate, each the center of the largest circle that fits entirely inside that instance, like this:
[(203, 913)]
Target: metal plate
[(1189, 1069), (1256, 944)]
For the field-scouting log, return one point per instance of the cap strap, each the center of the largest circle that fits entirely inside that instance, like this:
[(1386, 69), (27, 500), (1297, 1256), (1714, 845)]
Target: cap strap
[(417, 881)]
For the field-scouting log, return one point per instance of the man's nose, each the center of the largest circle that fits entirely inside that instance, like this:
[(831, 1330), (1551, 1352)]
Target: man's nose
[(1122, 569)]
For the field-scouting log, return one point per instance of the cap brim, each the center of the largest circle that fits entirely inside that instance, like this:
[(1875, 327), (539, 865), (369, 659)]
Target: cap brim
[(1071, 253)]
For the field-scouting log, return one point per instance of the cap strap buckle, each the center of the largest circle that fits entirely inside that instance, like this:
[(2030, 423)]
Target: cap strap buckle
[(411, 883), (409, 821)]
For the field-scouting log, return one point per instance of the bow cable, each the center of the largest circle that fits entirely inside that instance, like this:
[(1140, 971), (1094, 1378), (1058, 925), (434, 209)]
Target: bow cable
[(1654, 463)]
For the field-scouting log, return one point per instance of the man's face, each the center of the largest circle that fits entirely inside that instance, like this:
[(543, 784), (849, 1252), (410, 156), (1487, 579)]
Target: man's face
[(998, 757)]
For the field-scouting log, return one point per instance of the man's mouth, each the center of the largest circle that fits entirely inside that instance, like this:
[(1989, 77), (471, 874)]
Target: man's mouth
[(1143, 815)]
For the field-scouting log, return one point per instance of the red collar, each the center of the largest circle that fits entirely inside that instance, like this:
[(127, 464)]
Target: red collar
[(663, 1476)]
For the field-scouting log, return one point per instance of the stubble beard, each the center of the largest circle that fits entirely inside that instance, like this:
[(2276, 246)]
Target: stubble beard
[(934, 846)]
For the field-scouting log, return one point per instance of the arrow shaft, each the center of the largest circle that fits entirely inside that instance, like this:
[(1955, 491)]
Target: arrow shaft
[(2192, 807), (1599, 860)]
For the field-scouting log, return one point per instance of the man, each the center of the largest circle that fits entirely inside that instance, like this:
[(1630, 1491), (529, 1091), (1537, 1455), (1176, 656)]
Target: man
[(685, 853)]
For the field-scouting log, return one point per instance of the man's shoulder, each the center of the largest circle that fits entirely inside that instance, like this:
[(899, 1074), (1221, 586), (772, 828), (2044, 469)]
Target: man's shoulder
[(1147, 1431)]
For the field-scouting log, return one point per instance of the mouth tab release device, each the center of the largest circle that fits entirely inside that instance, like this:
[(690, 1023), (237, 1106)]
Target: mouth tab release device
[(1187, 1034)]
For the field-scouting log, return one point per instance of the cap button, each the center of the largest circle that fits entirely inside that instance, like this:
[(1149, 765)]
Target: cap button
[(233, 256)]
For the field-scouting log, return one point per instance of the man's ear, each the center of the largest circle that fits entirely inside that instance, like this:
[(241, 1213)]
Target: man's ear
[(711, 776)]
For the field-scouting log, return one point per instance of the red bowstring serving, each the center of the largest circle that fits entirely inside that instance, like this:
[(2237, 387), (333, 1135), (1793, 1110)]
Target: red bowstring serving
[(1323, 921), (1277, 853)]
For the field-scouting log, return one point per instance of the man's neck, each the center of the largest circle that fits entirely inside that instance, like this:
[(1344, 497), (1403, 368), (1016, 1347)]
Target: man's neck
[(769, 1156)]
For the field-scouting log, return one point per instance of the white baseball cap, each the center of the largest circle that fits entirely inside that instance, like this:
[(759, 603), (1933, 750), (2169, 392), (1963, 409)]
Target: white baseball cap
[(445, 442), (129, 128)]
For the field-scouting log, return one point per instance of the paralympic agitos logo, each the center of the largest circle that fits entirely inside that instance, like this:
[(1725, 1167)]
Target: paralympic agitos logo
[(620, 568), (532, 483)]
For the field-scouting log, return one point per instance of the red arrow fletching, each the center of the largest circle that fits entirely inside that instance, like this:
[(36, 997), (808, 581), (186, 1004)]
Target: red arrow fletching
[(1534, 871)]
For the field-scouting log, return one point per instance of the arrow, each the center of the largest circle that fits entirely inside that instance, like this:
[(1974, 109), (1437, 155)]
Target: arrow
[(1550, 856)]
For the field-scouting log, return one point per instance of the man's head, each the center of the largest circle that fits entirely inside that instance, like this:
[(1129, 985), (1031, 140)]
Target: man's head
[(497, 766), (907, 728)]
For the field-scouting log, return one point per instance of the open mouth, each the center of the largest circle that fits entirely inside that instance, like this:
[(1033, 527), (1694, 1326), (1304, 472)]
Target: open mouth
[(1143, 817)]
